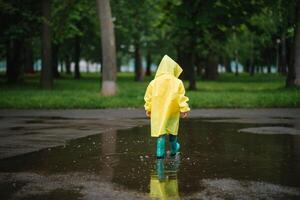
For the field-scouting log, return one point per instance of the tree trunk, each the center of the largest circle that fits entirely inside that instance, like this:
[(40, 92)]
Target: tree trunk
[(68, 64), (46, 74), (290, 79), (77, 57), (191, 71), (148, 63), (247, 66), (283, 55), (270, 60), (269, 68), (228, 66), (138, 71), (109, 74), (251, 67), (211, 68), (55, 49), (185, 60), (14, 68), (62, 66), (236, 66), (199, 66), (297, 46), (28, 52)]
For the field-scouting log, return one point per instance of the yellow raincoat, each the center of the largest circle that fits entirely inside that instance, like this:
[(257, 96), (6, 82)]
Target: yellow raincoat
[(165, 98)]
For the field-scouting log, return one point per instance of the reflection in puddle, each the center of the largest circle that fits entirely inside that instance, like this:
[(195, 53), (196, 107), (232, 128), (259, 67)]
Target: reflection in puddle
[(164, 182), (216, 162)]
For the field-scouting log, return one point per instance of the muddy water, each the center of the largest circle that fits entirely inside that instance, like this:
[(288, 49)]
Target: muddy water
[(217, 161)]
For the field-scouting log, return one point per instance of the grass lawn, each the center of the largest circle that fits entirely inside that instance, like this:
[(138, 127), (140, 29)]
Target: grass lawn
[(229, 91)]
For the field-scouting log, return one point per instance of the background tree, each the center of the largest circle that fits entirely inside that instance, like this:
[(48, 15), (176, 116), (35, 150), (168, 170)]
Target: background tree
[(18, 31), (297, 46), (46, 73), (203, 36), (109, 86)]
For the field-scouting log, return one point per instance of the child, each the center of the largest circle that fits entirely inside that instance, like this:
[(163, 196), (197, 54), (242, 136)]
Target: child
[(164, 102)]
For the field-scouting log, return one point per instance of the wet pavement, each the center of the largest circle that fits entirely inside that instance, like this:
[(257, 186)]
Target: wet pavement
[(221, 158)]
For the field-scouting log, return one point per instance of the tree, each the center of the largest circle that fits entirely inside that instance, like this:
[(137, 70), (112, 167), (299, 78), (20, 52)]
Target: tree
[(47, 72), (76, 32), (17, 32), (77, 51), (109, 67), (297, 46), (136, 33)]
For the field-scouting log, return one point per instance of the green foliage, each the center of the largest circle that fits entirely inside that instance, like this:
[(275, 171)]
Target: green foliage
[(72, 18), (228, 92), (21, 19), (137, 22), (226, 29)]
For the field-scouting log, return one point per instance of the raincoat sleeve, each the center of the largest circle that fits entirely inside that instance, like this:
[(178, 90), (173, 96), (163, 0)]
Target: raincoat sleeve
[(148, 97), (183, 105)]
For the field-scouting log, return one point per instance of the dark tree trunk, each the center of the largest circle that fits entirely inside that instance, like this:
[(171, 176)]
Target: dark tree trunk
[(251, 68), (46, 74), (185, 60), (77, 57), (236, 66), (55, 49), (283, 56), (148, 63), (290, 79), (68, 64), (14, 68), (199, 69), (211, 68), (269, 68), (62, 67), (28, 63), (138, 63), (269, 63), (247, 66), (199, 66), (297, 46), (227, 64), (109, 65)]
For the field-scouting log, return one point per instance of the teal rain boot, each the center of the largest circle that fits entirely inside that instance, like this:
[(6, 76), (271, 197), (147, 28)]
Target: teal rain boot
[(175, 146), (160, 147)]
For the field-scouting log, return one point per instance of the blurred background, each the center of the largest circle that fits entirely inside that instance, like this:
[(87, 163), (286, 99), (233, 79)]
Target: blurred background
[(231, 50)]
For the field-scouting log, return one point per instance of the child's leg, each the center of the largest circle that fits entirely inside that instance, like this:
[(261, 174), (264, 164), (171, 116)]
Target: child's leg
[(175, 146), (160, 146)]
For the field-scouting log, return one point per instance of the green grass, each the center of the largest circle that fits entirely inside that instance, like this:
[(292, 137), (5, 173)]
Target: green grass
[(229, 91)]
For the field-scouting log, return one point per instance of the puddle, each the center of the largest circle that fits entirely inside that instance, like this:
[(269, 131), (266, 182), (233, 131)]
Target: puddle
[(17, 128), (217, 162), (271, 130)]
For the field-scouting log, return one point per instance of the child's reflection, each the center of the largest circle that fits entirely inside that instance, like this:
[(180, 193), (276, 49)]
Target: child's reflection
[(163, 183)]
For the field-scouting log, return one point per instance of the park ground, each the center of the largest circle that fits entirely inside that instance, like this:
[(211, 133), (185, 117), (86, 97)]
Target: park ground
[(228, 91), (26, 130), (109, 154)]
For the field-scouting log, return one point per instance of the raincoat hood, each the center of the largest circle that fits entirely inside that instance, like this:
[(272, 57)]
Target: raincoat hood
[(168, 66)]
